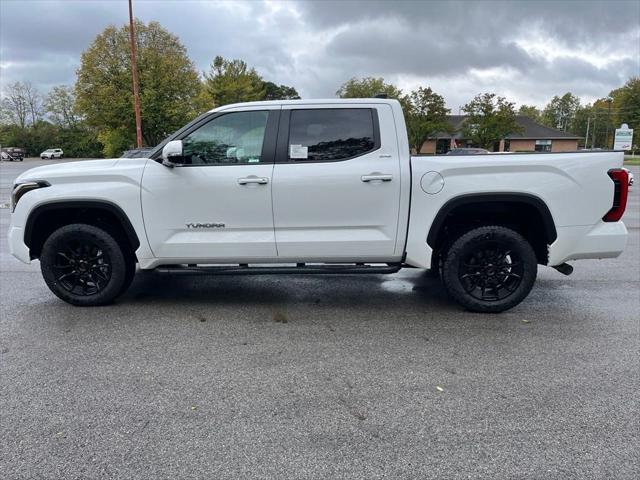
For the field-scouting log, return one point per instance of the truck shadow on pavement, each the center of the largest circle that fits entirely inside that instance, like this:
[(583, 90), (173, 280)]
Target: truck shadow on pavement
[(414, 288)]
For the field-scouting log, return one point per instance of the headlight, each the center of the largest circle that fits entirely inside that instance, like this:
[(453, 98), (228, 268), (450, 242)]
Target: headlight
[(19, 189)]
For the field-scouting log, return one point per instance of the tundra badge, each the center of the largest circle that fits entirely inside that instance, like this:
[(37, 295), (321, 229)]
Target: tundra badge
[(205, 225)]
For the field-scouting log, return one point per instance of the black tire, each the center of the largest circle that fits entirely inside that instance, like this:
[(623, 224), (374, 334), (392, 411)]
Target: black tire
[(85, 266), (489, 269)]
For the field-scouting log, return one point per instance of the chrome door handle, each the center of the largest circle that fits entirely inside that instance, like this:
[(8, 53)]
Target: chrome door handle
[(253, 179), (384, 177)]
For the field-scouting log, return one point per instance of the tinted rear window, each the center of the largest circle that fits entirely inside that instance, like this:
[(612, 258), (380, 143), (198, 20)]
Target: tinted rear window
[(331, 134)]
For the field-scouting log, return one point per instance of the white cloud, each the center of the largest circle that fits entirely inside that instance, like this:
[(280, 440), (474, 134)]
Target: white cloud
[(527, 51)]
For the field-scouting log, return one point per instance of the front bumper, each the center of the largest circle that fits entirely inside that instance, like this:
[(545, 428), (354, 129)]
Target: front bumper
[(17, 248), (602, 240)]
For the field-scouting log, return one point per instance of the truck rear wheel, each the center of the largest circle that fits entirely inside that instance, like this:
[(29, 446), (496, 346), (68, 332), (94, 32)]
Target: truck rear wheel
[(84, 265), (489, 269)]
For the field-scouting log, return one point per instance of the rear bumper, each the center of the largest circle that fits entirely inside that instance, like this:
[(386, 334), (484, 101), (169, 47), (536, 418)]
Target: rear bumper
[(17, 248), (602, 240)]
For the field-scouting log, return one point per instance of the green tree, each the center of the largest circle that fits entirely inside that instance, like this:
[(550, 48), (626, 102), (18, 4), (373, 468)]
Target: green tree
[(560, 112), (489, 119), (626, 106), (604, 126), (231, 81), (33, 139), (67, 131), (115, 141), (591, 122), (169, 85), (60, 105), (583, 120), (426, 115), (76, 142), (279, 92), (368, 87), (203, 101), (73, 135), (530, 111)]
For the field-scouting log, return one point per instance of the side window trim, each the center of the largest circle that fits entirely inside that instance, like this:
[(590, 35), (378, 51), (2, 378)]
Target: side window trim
[(270, 138), (282, 149), (268, 144)]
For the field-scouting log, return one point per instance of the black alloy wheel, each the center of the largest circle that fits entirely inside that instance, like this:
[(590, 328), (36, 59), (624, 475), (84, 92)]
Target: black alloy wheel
[(492, 272), (489, 269), (85, 265), (82, 268)]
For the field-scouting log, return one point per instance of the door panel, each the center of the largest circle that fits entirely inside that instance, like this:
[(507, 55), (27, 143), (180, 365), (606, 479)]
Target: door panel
[(217, 207), (337, 210), (175, 197)]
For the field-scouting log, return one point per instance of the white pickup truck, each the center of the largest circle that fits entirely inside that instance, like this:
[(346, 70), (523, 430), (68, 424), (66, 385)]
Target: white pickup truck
[(317, 186)]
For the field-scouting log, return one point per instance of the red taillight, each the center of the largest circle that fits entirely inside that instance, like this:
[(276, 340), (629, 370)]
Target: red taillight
[(620, 179)]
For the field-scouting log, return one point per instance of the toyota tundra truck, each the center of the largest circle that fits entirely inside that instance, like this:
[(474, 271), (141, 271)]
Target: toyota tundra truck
[(318, 187)]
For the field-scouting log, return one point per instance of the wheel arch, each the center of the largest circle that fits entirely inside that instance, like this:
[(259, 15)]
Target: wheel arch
[(501, 208), (94, 212)]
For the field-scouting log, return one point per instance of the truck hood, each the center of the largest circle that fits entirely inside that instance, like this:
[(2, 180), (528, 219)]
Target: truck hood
[(69, 169)]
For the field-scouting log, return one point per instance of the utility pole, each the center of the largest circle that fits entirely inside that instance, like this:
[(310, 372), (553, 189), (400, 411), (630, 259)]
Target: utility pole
[(134, 72), (609, 100), (586, 137)]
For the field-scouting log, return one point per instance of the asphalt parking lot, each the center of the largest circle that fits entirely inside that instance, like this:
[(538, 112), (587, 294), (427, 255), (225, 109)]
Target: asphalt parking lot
[(320, 377)]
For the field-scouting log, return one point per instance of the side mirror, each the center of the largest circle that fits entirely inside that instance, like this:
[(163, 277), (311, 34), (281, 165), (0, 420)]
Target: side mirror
[(172, 154)]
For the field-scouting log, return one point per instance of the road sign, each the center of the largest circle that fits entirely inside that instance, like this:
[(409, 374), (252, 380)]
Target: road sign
[(624, 138)]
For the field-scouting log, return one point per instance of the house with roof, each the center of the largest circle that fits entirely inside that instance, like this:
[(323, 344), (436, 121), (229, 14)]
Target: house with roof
[(533, 138)]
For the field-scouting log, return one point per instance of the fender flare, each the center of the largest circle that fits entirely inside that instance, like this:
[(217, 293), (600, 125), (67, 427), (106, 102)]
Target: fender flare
[(547, 219), (130, 232)]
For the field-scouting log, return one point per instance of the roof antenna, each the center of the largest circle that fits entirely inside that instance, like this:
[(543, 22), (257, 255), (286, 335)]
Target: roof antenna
[(381, 95)]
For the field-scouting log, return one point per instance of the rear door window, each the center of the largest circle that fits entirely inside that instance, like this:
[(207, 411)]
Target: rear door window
[(332, 134)]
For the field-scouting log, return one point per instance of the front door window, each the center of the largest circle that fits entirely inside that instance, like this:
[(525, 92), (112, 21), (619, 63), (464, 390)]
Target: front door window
[(232, 138)]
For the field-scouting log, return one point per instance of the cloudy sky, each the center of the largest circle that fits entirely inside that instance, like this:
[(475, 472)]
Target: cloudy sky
[(525, 50)]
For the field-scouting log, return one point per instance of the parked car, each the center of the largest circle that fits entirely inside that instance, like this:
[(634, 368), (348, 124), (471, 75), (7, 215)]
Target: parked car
[(321, 187), (137, 153), (12, 154), (467, 151), (631, 177), (52, 153)]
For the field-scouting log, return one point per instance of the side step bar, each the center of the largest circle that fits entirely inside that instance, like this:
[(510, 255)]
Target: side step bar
[(300, 268)]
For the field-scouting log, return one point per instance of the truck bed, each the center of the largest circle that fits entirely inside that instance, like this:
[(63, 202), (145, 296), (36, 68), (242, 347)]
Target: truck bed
[(574, 186)]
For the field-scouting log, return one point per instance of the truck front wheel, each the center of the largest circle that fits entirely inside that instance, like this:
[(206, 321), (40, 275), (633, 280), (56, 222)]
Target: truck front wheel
[(489, 269), (84, 265)]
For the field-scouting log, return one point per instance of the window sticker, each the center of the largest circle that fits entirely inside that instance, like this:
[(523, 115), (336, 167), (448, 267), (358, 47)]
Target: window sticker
[(298, 151)]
